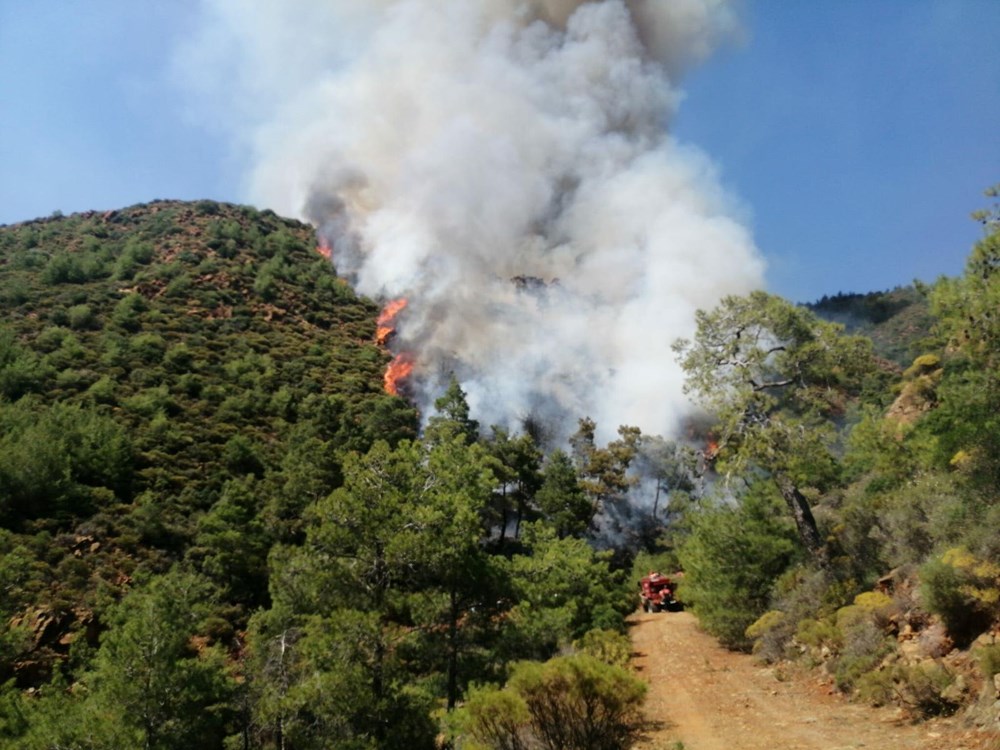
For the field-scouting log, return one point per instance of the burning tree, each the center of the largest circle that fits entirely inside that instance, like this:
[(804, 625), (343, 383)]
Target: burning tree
[(776, 377)]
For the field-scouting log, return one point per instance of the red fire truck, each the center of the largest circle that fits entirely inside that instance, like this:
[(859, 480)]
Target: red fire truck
[(658, 592)]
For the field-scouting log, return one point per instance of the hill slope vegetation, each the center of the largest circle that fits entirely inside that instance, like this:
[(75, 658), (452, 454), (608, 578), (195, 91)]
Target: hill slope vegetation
[(218, 531)]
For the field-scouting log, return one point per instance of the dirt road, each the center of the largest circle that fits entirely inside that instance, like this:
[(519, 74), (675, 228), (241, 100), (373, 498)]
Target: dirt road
[(702, 697)]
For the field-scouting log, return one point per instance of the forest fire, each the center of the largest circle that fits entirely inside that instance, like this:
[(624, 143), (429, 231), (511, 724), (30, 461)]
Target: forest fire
[(397, 371), (386, 319), (711, 449), (323, 248), (402, 365)]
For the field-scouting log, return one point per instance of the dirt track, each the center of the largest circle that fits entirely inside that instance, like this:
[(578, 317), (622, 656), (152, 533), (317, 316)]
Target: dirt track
[(702, 697)]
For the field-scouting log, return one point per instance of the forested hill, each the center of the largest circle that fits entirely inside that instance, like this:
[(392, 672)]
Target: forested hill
[(149, 357), (897, 321), (218, 531)]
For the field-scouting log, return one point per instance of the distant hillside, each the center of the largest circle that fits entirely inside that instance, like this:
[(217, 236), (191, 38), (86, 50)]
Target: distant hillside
[(159, 366), (897, 321)]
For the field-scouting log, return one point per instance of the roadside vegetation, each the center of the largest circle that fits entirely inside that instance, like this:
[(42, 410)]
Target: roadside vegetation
[(855, 523)]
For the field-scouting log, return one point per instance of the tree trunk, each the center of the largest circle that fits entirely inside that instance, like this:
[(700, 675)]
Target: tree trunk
[(804, 520), (453, 651), (503, 517)]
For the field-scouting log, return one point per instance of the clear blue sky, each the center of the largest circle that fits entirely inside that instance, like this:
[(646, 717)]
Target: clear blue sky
[(859, 134)]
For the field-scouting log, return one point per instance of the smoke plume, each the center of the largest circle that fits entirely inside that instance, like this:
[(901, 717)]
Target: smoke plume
[(505, 165)]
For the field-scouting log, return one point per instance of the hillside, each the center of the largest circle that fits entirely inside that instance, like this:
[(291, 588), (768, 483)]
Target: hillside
[(897, 321), (217, 530), (148, 356)]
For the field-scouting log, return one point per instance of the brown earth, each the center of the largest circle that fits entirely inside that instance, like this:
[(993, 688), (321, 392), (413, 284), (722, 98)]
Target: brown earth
[(703, 697)]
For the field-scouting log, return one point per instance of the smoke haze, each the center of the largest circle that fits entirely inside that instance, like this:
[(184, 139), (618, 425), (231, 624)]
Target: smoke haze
[(507, 166)]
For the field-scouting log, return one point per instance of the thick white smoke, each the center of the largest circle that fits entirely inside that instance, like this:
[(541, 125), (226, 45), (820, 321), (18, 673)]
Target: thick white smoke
[(507, 166)]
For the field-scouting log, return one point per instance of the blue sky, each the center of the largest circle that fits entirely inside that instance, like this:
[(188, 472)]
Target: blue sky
[(858, 135)]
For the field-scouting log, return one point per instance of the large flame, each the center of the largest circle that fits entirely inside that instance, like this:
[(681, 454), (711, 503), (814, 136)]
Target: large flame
[(387, 318), (397, 371)]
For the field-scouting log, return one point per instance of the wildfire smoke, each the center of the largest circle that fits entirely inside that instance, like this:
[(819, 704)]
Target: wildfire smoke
[(444, 147)]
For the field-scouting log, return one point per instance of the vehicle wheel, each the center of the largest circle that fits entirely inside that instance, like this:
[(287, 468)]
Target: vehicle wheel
[(645, 605)]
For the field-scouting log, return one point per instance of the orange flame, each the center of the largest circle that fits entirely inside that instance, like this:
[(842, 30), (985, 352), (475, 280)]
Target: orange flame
[(397, 371), (712, 449), (387, 318), (324, 249)]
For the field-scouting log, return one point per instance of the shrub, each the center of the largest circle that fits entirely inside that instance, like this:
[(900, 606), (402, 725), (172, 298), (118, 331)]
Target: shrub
[(64, 269), (150, 401), (51, 338), (878, 687), (989, 660), (128, 312), (567, 703), (179, 286), (179, 358), (963, 590), (134, 254), (15, 293), (81, 317), (206, 208), (496, 719), (102, 391), (20, 370), (149, 347), (924, 689), (609, 646), (819, 633), (865, 646), (240, 457), (922, 365), (872, 606), (770, 635)]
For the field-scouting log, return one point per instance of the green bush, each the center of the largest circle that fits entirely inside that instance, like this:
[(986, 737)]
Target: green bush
[(81, 318), (149, 347), (865, 645), (988, 658), (609, 646), (924, 689), (819, 633), (51, 459), (20, 370), (878, 687), (128, 312), (179, 287), (872, 606), (64, 268), (963, 590), (567, 703)]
